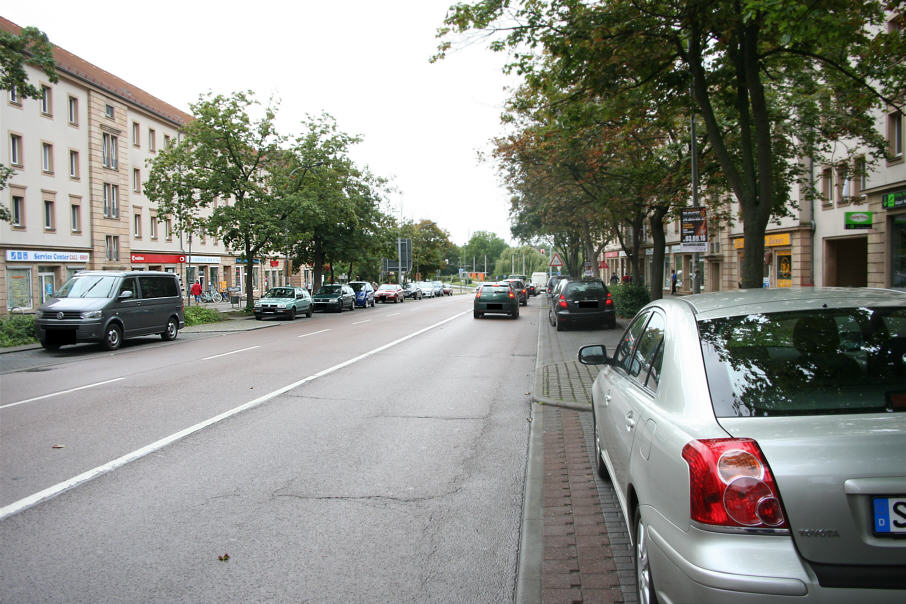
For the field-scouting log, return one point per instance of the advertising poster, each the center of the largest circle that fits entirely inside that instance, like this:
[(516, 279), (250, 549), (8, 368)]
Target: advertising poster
[(694, 234)]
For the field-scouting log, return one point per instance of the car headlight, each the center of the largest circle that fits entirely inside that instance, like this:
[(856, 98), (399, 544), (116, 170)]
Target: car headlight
[(284, 305), (91, 314), (39, 314)]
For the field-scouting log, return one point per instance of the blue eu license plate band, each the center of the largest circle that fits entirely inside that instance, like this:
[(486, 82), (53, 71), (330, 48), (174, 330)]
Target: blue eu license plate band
[(890, 516)]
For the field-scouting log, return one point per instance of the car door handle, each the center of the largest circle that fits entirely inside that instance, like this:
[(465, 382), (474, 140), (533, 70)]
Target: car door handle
[(607, 398), (630, 421)]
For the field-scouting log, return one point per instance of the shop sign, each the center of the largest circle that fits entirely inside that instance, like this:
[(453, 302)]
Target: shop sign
[(612, 254), (49, 256), (157, 258), (244, 261), (857, 220), (204, 260), (890, 201), (774, 240)]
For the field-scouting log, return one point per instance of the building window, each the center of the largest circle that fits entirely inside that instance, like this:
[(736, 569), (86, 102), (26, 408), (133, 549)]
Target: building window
[(827, 185), (15, 150), (152, 142), (166, 140), (153, 229), (17, 211), (109, 151), (75, 217), (46, 100), (137, 224), (73, 111), (136, 180), (113, 247), (14, 97), (73, 164), (169, 229), (136, 134), (108, 111), (861, 175), (47, 157), (49, 221), (844, 185), (895, 135), (111, 200)]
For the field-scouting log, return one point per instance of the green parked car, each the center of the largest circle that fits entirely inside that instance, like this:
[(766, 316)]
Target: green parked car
[(285, 302), (496, 298)]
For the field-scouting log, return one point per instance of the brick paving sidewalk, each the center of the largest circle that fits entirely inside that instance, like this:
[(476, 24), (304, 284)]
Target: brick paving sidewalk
[(582, 562)]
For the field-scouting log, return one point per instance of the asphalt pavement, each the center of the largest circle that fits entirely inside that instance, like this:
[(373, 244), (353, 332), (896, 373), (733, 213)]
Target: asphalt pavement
[(574, 545)]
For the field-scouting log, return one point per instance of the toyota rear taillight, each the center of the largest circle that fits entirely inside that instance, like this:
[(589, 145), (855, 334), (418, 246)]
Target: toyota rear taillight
[(730, 484), (562, 301)]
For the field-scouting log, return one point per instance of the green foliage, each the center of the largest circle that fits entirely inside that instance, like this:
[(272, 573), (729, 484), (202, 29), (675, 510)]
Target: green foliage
[(628, 298), (196, 315), (16, 330)]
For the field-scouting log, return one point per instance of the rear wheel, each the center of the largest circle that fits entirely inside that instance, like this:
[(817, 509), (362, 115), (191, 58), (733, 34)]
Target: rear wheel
[(113, 337), (476, 314), (171, 331), (643, 563), (558, 323), (600, 468)]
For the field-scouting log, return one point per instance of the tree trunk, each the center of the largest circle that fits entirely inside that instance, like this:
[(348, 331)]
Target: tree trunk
[(660, 244)]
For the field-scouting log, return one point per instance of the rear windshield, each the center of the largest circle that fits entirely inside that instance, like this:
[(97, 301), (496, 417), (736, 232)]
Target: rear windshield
[(588, 288), (88, 286), (807, 363), (495, 289)]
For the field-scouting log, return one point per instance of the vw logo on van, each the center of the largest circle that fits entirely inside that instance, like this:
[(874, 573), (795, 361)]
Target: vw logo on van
[(59, 315)]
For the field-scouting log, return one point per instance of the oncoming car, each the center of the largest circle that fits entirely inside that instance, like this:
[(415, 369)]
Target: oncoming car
[(756, 440), (284, 302)]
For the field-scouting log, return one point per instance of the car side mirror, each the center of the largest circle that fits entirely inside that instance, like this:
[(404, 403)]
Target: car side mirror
[(126, 294), (593, 354)]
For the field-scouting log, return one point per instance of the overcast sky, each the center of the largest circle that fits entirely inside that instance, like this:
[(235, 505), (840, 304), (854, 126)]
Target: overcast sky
[(363, 61)]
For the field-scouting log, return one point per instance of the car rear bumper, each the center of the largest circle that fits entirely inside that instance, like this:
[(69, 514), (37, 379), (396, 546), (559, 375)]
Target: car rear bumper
[(710, 567), (586, 317)]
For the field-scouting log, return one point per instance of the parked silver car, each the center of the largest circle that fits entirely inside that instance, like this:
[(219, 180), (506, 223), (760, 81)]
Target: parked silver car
[(756, 440)]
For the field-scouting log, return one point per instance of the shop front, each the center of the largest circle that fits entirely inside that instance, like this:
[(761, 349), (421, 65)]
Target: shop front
[(31, 276), (778, 268)]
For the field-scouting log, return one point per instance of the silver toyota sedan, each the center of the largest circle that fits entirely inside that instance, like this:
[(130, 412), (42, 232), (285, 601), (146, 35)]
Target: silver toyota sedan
[(756, 440)]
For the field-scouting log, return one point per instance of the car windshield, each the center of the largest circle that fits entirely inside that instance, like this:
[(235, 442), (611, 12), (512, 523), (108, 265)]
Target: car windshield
[(357, 286), (88, 286), (813, 362), (387, 287), (279, 292), (329, 289)]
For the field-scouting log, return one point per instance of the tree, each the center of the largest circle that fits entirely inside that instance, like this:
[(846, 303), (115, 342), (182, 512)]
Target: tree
[(29, 47), (773, 81), (431, 246), (482, 251), (223, 156)]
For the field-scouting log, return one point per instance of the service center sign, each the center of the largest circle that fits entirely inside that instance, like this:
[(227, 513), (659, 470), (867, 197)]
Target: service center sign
[(49, 256)]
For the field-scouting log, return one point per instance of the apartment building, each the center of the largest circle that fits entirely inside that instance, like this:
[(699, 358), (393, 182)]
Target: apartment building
[(81, 155)]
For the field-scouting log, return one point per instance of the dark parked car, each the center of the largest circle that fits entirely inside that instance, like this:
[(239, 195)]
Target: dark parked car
[(756, 441), (364, 293), (585, 302), (412, 290), (285, 302), (334, 296), (390, 292), (520, 289), (496, 298)]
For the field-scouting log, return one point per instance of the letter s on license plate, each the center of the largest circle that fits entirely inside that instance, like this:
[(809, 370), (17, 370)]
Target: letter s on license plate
[(890, 516)]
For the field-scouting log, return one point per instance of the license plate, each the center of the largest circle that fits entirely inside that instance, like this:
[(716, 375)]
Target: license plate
[(890, 515)]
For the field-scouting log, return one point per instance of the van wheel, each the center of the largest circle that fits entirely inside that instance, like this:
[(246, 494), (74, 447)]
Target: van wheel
[(172, 329), (113, 337)]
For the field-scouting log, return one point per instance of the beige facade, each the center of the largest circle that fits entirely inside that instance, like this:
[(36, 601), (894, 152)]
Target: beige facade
[(81, 156)]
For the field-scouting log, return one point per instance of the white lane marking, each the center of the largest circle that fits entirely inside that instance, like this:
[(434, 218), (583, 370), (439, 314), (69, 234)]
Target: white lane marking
[(53, 491), (305, 335), (360, 322), (217, 356), (38, 398)]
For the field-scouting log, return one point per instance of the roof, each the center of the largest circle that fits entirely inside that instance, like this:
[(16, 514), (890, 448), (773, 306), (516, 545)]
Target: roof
[(753, 301), (80, 69)]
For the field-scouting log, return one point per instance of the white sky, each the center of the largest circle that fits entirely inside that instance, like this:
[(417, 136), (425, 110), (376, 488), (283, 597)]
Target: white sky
[(363, 61)]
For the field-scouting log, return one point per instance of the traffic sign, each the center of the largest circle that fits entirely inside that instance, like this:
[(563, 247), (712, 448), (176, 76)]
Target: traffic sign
[(555, 260)]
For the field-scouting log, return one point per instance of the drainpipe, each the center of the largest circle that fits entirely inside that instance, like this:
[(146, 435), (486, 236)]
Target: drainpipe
[(811, 221)]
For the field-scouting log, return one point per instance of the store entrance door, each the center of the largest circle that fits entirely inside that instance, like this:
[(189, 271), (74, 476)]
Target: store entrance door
[(846, 262)]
